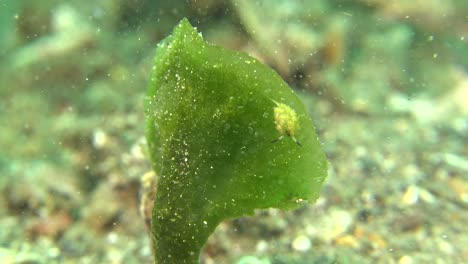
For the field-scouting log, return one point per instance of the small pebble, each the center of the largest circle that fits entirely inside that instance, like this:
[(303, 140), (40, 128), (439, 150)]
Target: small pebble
[(407, 223), (347, 241), (414, 194), (412, 173), (99, 139), (460, 188), (445, 246), (405, 260), (7, 255), (456, 162), (53, 252), (261, 247), (411, 195), (252, 260), (301, 243)]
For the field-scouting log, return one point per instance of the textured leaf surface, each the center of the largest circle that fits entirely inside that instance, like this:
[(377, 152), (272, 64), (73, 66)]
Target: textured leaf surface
[(210, 127)]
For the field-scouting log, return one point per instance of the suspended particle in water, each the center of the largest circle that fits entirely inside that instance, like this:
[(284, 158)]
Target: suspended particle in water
[(286, 122)]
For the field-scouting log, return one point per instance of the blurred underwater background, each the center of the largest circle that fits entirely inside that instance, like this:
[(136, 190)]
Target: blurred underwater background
[(386, 83)]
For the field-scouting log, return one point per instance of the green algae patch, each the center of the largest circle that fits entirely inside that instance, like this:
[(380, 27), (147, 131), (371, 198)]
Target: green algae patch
[(215, 142)]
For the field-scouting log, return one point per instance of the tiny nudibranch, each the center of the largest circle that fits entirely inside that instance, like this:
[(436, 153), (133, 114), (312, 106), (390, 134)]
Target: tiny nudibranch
[(286, 121)]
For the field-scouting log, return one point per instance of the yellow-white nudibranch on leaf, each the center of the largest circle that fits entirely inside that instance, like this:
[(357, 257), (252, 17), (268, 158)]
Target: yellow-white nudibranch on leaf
[(286, 122)]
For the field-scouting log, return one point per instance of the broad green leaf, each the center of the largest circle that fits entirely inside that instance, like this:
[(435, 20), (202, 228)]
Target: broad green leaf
[(210, 126)]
